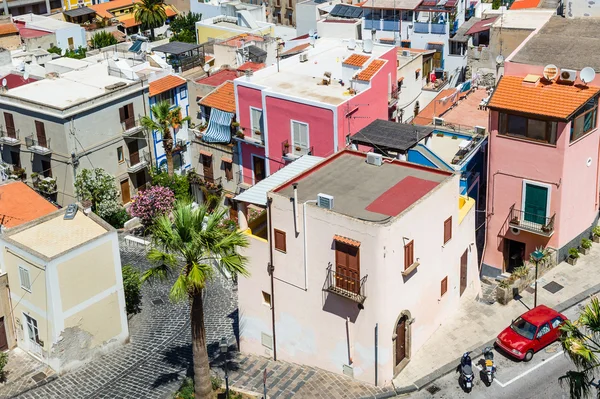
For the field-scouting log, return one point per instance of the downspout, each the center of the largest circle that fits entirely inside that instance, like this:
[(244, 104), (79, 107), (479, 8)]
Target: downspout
[(376, 349), (305, 243), (271, 271)]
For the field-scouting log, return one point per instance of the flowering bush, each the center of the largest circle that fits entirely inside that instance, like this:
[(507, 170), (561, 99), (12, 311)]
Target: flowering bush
[(150, 204)]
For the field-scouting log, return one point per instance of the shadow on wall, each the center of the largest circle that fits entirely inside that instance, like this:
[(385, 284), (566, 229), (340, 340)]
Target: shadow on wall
[(342, 307)]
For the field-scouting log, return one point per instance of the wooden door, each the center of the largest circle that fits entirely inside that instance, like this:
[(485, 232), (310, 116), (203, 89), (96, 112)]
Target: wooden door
[(40, 131), (258, 165), (3, 340), (207, 169), (125, 193), (134, 155), (347, 267), (463, 271), (10, 125), (401, 340)]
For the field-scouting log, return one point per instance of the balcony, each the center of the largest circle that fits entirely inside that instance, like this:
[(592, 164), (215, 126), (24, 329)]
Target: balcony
[(346, 286), (41, 147), (290, 153), (180, 145), (421, 27), (138, 161), (438, 29), (9, 137), (536, 224), (130, 127)]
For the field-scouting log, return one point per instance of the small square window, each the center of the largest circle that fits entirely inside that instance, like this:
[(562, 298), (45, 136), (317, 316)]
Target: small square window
[(266, 298), (183, 92), (25, 279), (120, 154), (444, 286), (447, 229)]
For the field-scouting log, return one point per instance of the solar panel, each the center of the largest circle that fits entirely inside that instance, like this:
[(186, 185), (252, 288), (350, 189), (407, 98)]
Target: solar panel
[(346, 11)]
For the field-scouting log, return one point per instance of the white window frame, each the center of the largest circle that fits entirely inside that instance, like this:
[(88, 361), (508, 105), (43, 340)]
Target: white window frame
[(261, 128), (183, 92), (21, 270), (293, 144), (535, 183)]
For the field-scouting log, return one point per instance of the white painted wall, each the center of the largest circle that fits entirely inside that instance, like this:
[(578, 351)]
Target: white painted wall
[(76, 32), (412, 86), (341, 30)]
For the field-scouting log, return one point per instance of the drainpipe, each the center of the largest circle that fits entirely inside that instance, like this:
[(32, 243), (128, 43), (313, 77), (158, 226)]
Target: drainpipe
[(295, 185), (305, 243), (271, 271), (376, 349)]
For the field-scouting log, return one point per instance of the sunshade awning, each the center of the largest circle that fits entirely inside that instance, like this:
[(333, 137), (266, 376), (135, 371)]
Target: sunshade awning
[(219, 127)]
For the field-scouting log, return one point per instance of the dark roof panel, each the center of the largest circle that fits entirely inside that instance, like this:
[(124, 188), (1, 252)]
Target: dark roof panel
[(386, 135), (346, 11), (78, 12), (176, 47)]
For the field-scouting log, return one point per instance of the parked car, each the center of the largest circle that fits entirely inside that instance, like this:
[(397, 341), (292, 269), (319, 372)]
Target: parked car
[(531, 332)]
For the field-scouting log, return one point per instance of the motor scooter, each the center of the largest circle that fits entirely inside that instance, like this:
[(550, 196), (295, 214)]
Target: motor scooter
[(466, 372), (490, 368)]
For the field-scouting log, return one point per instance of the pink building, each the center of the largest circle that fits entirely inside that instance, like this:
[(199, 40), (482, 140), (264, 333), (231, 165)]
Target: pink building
[(356, 244), (543, 152), (311, 102)]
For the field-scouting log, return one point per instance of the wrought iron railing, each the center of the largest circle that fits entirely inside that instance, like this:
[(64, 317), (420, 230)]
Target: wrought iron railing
[(33, 142), (7, 135), (297, 151), (532, 222), (344, 285), (131, 125)]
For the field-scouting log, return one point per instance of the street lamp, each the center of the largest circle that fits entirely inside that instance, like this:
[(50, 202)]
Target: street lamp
[(537, 256), (224, 348)]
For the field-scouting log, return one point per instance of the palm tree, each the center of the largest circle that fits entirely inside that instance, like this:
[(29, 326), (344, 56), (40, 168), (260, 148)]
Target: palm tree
[(163, 119), (581, 342), (192, 245), (151, 14)]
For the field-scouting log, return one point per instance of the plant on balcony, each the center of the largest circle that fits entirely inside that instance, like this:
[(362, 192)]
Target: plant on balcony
[(585, 246), (3, 363), (257, 132), (152, 203), (253, 214), (596, 234), (45, 186), (179, 184), (573, 256), (19, 173), (235, 124)]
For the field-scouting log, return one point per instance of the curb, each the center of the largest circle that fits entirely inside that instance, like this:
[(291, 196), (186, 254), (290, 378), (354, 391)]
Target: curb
[(478, 351)]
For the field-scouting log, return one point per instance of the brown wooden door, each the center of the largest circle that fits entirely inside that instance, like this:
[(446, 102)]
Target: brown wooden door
[(401, 340), (40, 131), (347, 267), (207, 169), (10, 125), (3, 340), (258, 165), (463, 271), (125, 193)]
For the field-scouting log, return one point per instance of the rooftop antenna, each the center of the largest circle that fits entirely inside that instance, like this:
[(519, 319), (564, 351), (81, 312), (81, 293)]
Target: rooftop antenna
[(587, 74)]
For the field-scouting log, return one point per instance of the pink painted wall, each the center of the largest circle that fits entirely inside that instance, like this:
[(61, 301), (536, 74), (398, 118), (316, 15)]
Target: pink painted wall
[(248, 97), (522, 70), (249, 151)]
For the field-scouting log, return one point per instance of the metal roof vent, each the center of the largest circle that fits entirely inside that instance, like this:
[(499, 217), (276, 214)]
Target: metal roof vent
[(374, 159), (71, 212), (324, 201)]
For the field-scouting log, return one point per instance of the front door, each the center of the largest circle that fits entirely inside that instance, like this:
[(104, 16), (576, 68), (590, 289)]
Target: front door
[(258, 165), (33, 337), (125, 193), (536, 203), (40, 131), (347, 268), (401, 340), (514, 255), (463, 271), (3, 340), (207, 169)]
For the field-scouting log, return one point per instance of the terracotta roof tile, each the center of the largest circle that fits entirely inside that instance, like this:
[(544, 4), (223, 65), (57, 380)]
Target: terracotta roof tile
[(356, 60), (167, 83), (6, 29), (370, 71), (218, 78), (296, 49), (236, 41), (546, 98), (129, 22), (346, 240), (252, 66), (20, 204), (223, 98), (103, 9), (523, 4)]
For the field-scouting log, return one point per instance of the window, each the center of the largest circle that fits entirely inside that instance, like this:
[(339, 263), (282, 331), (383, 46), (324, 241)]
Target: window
[(545, 329), (556, 322), (167, 96), (300, 138), (71, 43), (266, 299), (523, 328), (535, 202), (347, 267), (256, 119), (46, 168), (406, 43), (444, 286), (409, 254), (183, 92), (120, 157), (585, 120), (228, 168), (40, 132), (25, 280), (447, 229), (126, 116), (527, 128), (207, 168), (280, 243)]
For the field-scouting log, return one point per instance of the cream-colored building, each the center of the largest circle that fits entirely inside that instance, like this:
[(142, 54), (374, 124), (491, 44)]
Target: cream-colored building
[(66, 287)]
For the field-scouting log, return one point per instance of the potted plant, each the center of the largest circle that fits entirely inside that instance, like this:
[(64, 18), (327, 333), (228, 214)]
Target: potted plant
[(239, 134), (257, 132), (573, 256), (596, 234), (235, 124), (286, 145), (585, 246), (514, 220), (504, 291)]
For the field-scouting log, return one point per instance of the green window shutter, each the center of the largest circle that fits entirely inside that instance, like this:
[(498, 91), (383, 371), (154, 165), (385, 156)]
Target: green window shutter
[(536, 203)]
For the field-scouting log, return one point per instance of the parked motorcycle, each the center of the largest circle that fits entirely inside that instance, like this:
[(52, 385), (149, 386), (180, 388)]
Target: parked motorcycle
[(490, 368), (466, 372)]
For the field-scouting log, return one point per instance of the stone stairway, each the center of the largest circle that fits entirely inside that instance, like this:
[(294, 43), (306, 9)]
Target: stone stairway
[(488, 290)]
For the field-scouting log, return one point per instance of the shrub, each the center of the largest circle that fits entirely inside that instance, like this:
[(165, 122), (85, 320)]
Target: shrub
[(521, 271), (186, 391), (216, 382), (504, 283), (573, 253), (596, 231), (178, 184), (103, 39), (586, 243), (150, 204), (3, 362), (132, 284), (118, 218)]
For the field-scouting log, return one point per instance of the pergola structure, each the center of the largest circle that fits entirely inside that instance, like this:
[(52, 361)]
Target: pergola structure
[(182, 56)]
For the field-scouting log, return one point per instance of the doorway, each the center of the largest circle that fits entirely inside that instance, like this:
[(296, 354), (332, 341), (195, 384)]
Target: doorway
[(125, 193), (3, 339), (402, 339), (463, 271), (33, 336), (258, 166), (514, 254), (207, 168)]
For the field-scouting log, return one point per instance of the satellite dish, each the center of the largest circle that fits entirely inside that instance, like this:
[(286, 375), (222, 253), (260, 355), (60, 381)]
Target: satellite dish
[(311, 33), (312, 41), (587, 74), (25, 75), (4, 82), (206, 67), (550, 72), (499, 59), (367, 45), (351, 44)]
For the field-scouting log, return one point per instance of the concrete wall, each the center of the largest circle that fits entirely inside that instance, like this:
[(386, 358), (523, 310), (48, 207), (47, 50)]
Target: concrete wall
[(6, 311), (307, 16), (342, 29), (581, 9), (412, 86), (502, 41), (43, 42), (219, 152), (207, 30), (76, 32)]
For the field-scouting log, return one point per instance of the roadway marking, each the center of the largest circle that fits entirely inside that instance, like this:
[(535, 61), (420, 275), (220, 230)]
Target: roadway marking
[(504, 385)]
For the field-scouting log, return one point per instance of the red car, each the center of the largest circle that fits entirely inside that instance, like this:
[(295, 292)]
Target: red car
[(531, 332)]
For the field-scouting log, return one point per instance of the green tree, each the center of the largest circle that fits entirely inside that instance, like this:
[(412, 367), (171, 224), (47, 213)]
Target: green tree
[(580, 340), (496, 4), (99, 187), (103, 39), (184, 27), (55, 50), (179, 184), (78, 54), (164, 118), (132, 285), (192, 245), (151, 14)]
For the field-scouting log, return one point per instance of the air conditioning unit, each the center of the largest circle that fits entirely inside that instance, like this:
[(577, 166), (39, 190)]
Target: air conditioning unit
[(303, 57), (374, 159), (479, 130), (405, 53), (324, 201), (438, 121), (568, 75)]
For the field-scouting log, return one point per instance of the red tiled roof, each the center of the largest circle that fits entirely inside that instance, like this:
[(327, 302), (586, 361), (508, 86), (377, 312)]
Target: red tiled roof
[(356, 60), (103, 9), (522, 4), (481, 26), (167, 83), (7, 29), (14, 80), (20, 204), (252, 66), (218, 78), (129, 22), (236, 41), (346, 240), (370, 71), (405, 193), (120, 36), (544, 98), (295, 50), (223, 98)]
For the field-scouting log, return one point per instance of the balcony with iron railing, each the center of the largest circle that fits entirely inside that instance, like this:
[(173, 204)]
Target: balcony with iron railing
[(531, 222), (9, 137), (291, 152), (345, 286), (138, 161), (131, 126), (41, 147)]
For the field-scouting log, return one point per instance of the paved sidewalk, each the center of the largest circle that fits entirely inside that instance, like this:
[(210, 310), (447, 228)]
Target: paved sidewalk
[(23, 372), (477, 323)]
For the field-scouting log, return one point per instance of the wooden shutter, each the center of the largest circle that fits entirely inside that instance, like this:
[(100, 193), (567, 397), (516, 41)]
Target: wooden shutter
[(122, 116), (228, 168), (41, 133), (10, 125), (280, 243), (444, 286), (448, 229), (130, 110), (347, 267), (409, 254)]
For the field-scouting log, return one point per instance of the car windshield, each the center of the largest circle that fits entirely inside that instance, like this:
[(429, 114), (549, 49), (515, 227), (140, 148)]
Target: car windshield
[(523, 328)]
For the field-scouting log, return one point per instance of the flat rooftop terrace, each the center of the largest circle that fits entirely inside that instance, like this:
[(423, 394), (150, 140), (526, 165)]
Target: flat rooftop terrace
[(364, 191)]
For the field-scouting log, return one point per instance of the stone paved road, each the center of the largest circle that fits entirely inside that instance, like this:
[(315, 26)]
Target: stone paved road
[(159, 355)]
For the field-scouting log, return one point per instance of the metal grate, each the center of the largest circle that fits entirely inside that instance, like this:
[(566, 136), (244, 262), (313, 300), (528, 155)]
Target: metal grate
[(553, 287), (158, 301), (433, 389)]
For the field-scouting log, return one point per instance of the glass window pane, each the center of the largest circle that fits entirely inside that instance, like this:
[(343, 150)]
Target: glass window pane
[(536, 129), (517, 125)]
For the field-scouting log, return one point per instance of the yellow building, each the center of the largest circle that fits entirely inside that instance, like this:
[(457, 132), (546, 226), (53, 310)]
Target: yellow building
[(122, 11), (223, 27), (66, 287)]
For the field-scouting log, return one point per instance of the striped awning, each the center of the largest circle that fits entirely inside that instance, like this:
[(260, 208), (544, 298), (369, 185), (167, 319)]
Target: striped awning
[(219, 127)]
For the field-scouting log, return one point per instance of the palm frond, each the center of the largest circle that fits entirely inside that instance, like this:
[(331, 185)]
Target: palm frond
[(578, 383), (235, 264), (160, 272), (180, 289), (198, 275)]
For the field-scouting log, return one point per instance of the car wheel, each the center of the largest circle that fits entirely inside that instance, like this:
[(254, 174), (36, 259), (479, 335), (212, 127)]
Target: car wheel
[(528, 355)]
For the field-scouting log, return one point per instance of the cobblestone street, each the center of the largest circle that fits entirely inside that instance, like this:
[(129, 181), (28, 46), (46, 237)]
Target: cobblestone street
[(159, 354)]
